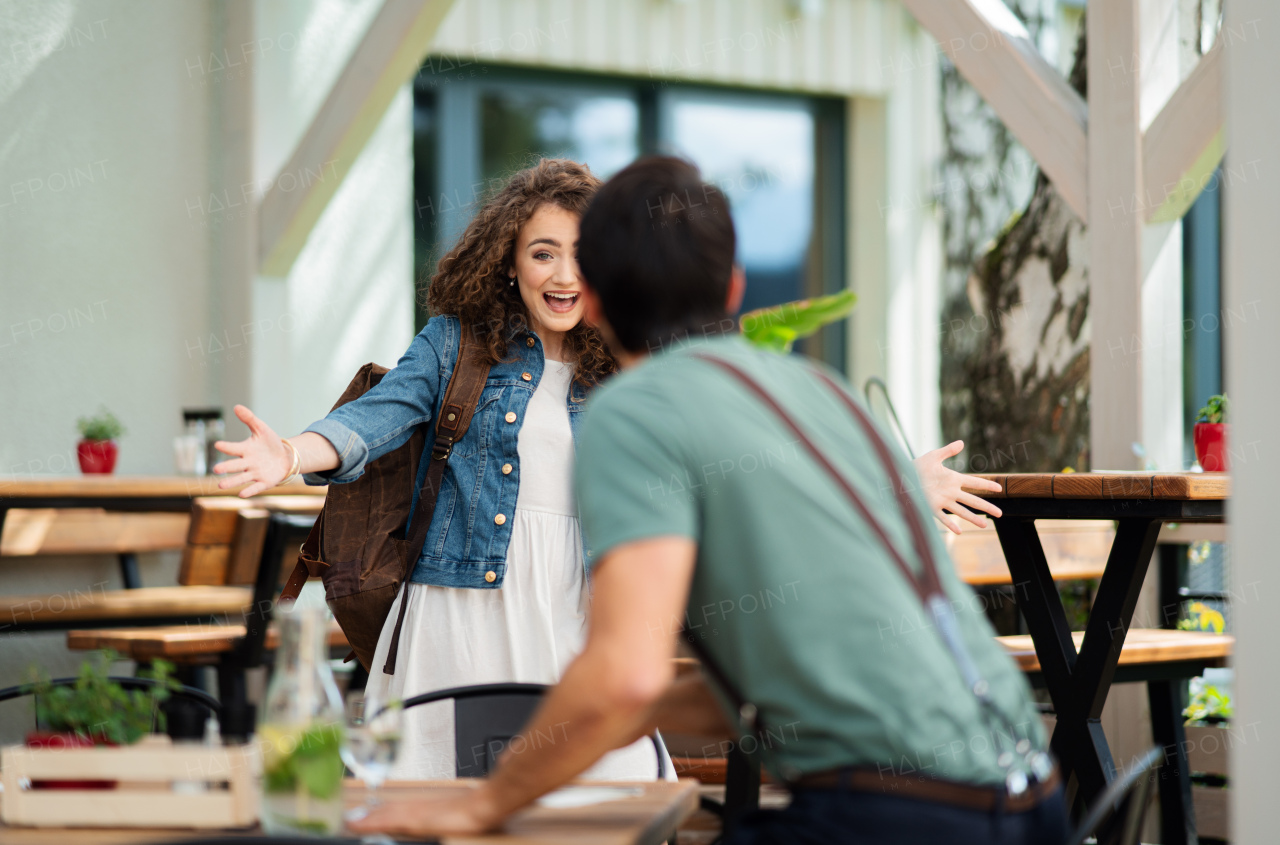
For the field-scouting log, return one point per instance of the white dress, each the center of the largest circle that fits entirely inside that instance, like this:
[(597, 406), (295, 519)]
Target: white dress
[(527, 631)]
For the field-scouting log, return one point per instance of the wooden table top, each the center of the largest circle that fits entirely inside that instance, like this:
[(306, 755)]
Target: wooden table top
[(645, 818), (1175, 486), (130, 486)]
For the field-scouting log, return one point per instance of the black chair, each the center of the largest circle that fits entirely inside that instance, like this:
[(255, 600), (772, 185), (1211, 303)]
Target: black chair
[(486, 717), (1116, 817)]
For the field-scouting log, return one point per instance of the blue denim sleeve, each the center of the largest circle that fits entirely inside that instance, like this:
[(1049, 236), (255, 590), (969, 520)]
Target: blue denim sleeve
[(384, 418)]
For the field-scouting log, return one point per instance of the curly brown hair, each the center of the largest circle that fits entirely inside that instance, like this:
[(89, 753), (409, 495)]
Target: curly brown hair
[(471, 281)]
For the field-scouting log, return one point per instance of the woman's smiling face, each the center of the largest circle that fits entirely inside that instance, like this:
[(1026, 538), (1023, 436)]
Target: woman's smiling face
[(546, 270)]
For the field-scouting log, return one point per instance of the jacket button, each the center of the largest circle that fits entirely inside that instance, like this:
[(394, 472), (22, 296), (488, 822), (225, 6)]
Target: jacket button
[(506, 469), (526, 377), (511, 416), (500, 519), (530, 341), (491, 576)]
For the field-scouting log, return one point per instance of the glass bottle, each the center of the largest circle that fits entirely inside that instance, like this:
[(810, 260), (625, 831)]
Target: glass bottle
[(301, 732)]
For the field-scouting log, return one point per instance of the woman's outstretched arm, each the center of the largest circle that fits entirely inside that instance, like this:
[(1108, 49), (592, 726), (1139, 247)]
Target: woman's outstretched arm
[(263, 460)]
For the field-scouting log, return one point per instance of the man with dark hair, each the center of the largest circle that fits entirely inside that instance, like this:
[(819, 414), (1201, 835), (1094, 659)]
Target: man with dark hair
[(744, 503)]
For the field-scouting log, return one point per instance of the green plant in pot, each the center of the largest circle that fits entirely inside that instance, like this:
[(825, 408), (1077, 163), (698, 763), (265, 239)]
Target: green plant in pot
[(1210, 434), (95, 710), (97, 450)]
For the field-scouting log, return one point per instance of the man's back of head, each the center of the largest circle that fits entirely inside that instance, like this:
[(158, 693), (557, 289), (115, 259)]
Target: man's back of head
[(657, 247)]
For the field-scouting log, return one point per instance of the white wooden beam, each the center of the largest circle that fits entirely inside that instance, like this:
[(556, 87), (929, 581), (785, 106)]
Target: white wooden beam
[(1115, 220), (1184, 144), (994, 52), (1251, 253), (387, 56)]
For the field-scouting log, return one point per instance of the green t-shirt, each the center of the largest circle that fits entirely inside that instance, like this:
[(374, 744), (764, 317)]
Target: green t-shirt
[(793, 595)]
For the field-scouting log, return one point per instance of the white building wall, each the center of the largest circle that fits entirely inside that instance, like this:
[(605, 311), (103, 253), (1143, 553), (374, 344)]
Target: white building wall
[(839, 48), (103, 275), (129, 136)]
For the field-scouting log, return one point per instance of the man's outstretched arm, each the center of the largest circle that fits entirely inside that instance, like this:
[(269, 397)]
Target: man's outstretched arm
[(603, 702)]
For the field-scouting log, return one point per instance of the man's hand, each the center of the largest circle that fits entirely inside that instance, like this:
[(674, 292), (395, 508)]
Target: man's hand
[(943, 489), (470, 815)]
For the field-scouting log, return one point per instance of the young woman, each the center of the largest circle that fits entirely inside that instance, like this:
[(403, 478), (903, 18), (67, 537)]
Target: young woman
[(499, 592)]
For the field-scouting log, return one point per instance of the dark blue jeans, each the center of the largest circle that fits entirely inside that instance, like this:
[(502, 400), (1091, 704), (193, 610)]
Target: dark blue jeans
[(844, 817)]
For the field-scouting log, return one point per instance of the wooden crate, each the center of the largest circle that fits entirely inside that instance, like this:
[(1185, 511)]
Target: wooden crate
[(215, 787)]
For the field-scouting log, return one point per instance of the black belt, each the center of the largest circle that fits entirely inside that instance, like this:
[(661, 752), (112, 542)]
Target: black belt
[(965, 795)]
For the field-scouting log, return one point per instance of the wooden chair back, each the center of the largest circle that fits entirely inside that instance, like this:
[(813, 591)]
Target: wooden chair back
[(226, 536)]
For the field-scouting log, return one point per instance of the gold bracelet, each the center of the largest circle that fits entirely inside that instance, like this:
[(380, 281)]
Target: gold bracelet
[(297, 463)]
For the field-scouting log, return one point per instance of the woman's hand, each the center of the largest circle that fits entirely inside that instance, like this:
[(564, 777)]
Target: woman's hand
[(943, 489), (262, 461)]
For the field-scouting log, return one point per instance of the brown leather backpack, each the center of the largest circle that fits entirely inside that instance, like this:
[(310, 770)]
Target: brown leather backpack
[(359, 546)]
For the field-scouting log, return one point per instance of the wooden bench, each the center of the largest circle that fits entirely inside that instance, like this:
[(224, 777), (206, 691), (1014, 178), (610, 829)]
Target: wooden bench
[(1148, 652), (182, 643), (1075, 549), (93, 531)]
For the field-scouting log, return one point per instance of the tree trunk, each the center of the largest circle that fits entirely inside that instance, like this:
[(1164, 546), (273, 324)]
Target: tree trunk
[(1015, 352)]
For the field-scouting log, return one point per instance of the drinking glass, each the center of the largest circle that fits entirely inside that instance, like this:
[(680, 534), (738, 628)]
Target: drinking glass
[(372, 743)]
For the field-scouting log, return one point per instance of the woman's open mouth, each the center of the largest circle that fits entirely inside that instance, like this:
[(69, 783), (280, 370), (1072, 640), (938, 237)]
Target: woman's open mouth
[(561, 302)]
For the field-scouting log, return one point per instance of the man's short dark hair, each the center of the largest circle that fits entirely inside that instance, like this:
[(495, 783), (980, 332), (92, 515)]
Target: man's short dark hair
[(657, 246)]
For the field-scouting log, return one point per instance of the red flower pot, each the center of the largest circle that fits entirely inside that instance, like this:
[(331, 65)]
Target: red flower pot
[(59, 740), (97, 457), (1211, 446)]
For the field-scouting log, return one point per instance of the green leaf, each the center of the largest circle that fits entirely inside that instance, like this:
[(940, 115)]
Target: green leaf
[(1215, 410), (779, 326), (95, 706), (100, 426), (321, 774)]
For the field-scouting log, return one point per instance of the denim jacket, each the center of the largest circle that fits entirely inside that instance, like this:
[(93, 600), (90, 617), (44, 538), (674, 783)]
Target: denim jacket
[(466, 545)]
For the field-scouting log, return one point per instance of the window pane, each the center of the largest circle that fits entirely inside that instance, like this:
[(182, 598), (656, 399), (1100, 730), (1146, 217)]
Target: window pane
[(761, 154), (521, 124)]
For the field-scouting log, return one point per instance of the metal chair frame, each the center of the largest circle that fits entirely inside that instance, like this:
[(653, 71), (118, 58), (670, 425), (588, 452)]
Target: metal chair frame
[(1116, 817), (469, 721)]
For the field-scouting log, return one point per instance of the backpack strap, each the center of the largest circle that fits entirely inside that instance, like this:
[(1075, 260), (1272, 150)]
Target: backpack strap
[(456, 410)]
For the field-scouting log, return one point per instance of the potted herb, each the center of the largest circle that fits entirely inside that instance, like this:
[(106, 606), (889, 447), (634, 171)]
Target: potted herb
[(97, 447), (1210, 434), (96, 710)]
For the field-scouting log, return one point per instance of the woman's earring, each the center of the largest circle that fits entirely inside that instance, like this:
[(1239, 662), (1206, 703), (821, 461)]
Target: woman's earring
[(511, 283)]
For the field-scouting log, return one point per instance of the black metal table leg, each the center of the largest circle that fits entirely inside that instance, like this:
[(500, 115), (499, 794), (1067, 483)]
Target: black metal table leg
[(1046, 620), (1108, 625), (1078, 684), (1177, 812), (129, 571), (238, 714)]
